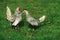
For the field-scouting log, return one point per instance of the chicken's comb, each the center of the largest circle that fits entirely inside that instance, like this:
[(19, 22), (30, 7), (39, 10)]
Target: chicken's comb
[(19, 8)]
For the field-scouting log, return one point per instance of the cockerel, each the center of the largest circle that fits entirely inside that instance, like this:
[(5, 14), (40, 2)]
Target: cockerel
[(14, 18), (34, 22)]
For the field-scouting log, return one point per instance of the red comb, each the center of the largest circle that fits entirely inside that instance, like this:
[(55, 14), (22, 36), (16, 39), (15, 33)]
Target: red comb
[(19, 8)]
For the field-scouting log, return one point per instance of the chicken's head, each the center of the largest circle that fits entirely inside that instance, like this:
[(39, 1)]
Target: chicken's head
[(18, 8), (25, 12)]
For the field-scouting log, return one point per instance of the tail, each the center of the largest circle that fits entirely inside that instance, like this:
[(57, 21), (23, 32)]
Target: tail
[(42, 18), (8, 13)]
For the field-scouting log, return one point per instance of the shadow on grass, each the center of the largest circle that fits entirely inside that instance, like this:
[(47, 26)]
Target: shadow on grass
[(19, 25), (33, 27), (36, 27)]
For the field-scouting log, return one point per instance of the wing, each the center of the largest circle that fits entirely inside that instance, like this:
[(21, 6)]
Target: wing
[(33, 21), (8, 13), (17, 20)]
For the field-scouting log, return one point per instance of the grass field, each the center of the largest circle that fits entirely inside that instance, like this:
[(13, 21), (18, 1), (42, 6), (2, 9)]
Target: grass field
[(48, 30)]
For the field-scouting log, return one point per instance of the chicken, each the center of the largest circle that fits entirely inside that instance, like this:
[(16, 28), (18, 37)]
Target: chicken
[(33, 21), (14, 18), (18, 16)]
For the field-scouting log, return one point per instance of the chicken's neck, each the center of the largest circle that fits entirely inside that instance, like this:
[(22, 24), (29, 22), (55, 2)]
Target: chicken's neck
[(28, 15)]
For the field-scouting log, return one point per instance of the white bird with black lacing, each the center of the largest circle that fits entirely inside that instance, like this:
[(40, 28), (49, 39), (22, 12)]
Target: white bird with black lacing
[(33, 21), (14, 18)]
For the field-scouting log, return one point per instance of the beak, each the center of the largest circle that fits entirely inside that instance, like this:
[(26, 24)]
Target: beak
[(24, 12)]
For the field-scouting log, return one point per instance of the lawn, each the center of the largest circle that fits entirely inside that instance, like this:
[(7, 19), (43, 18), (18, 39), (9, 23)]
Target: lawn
[(48, 30)]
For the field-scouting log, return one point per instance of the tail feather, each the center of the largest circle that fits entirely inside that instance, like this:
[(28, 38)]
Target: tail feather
[(41, 19), (8, 13)]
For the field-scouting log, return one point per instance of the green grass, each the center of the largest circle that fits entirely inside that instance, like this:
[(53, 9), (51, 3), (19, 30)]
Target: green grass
[(48, 30)]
